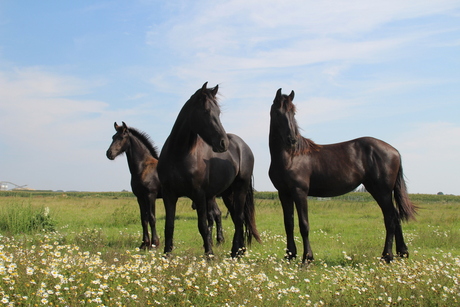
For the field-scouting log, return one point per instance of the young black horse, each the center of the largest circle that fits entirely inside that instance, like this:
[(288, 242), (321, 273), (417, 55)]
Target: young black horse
[(200, 160), (300, 168), (142, 161)]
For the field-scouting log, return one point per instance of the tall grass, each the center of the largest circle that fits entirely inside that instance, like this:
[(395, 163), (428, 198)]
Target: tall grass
[(92, 258), (21, 217)]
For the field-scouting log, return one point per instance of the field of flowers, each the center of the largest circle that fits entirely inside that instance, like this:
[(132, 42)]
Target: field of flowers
[(74, 263)]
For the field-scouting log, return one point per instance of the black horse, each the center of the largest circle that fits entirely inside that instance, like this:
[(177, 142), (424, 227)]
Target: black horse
[(301, 168), (142, 161), (200, 160)]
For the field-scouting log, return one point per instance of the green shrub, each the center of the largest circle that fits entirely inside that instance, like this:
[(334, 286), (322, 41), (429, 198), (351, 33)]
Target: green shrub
[(24, 218), (125, 215)]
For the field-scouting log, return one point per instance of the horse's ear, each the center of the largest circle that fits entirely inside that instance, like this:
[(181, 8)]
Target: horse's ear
[(125, 127), (205, 85), (291, 95), (115, 125), (214, 90), (278, 93)]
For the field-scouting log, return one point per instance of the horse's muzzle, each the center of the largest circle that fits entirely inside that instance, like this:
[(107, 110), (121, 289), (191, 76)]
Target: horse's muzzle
[(110, 155)]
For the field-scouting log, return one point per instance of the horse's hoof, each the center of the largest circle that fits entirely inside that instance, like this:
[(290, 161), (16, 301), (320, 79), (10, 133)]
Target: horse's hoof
[(220, 240), (387, 258), (307, 260), (239, 253), (290, 256), (209, 257)]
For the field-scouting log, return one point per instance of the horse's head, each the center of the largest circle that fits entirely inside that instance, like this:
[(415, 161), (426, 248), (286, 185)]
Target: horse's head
[(205, 120), (282, 116), (120, 141)]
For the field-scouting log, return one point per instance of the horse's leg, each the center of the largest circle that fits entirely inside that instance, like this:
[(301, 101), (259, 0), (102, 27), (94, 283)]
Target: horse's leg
[(401, 247), (202, 212), (170, 203), (301, 203), (217, 217), (288, 212), (390, 216), (213, 215), (152, 220), (144, 208), (235, 203), (210, 216)]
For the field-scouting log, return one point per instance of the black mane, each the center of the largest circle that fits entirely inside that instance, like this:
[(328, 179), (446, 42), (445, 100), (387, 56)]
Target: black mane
[(303, 146), (146, 140)]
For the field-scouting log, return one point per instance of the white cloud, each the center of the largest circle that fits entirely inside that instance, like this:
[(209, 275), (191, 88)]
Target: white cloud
[(34, 101), (218, 41), (241, 25), (52, 139)]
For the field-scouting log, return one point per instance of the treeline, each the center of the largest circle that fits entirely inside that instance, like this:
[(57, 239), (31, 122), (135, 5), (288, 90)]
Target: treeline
[(352, 196), (42, 193)]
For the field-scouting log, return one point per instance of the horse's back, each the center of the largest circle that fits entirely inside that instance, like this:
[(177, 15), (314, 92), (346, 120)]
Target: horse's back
[(347, 164), (336, 169)]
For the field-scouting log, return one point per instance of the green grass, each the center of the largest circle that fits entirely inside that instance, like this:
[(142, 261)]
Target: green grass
[(21, 217), (90, 256)]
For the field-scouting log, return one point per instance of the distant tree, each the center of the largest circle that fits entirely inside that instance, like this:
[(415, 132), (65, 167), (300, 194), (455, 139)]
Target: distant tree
[(440, 193)]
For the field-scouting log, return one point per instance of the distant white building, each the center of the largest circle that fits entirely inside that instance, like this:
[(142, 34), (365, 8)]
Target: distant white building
[(4, 185)]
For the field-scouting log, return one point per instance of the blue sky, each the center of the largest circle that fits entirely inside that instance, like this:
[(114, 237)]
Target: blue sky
[(70, 69)]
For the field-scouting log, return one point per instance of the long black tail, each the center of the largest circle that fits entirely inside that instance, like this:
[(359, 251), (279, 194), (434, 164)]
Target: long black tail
[(407, 210), (249, 217)]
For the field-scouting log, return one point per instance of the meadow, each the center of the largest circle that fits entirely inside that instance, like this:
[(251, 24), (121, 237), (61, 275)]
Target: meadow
[(71, 249)]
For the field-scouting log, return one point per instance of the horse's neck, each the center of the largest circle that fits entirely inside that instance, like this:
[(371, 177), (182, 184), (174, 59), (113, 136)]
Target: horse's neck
[(275, 142), (181, 139), (137, 154)]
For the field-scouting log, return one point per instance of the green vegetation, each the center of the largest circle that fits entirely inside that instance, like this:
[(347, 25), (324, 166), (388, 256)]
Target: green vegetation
[(19, 217), (81, 249)]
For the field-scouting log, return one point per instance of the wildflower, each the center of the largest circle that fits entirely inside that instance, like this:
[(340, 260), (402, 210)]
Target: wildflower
[(97, 300)]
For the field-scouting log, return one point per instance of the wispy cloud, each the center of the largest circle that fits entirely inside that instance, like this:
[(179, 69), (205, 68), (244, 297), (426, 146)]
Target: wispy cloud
[(239, 36), (34, 100)]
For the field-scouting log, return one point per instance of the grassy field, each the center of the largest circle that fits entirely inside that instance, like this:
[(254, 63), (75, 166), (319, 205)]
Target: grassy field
[(81, 249)]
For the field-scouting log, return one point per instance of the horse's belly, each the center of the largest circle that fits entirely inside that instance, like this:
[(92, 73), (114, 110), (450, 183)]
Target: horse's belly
[(331, 188)]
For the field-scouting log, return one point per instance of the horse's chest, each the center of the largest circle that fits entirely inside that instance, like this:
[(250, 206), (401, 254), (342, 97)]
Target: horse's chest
[(184, 172), (290, 172)]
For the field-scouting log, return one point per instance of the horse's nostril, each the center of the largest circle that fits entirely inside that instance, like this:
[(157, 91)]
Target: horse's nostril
[(223, 144)]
